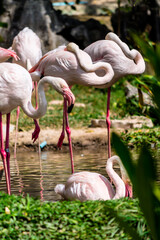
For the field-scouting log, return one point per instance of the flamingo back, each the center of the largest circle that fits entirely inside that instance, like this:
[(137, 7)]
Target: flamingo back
[(13, 79), (86, 186), (27, 45)]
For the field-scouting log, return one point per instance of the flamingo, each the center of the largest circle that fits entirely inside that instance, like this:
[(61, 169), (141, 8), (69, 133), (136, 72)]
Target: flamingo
[(63, 63), (85, 185), (16, 90), (123, 61), (27, 45)]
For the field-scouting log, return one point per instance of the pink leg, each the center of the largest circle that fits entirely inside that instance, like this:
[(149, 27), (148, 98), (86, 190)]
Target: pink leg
[(108, 122), (62, 136), (7, 145), (36, 132), (16, 136), (68, 131), (3, 154), (36, 100)]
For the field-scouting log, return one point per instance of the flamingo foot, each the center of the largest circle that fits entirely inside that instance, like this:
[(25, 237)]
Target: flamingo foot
[(60, 141), (36, 132)]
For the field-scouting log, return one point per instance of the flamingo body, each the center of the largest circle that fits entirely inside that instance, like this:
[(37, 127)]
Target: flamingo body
[(93, 186), (64, 64), (15, 87), (27, 45), (123, 60)]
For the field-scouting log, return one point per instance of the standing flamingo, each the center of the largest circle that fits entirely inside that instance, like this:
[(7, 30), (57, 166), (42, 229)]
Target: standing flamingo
[(123, 61), (16, 90), (85, 185), (5, 54), (27, 45), (74, 69)]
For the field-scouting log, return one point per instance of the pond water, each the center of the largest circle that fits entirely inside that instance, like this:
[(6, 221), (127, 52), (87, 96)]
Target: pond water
[(37, 175)]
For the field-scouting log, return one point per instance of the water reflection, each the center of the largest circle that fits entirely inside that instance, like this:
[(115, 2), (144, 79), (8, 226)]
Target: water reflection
[(37, 175)]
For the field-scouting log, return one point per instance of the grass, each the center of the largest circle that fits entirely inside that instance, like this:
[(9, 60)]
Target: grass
[(27, 218), (95, 101)]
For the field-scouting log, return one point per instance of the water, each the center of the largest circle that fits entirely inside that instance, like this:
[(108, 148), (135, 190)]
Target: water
[(38, 175)]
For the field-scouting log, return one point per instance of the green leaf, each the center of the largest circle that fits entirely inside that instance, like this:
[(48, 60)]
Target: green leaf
[(124, 154)]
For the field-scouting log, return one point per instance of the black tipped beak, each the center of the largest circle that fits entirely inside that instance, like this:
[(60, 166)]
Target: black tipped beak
[(70, 108)]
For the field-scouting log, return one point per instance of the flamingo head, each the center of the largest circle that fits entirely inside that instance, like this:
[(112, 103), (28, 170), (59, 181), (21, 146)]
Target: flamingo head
[(5, 54), (69, 96), (126, 181), (128, 186), (62, 87)]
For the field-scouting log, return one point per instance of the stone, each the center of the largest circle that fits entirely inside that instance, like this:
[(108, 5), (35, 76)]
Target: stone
[(126, 123)]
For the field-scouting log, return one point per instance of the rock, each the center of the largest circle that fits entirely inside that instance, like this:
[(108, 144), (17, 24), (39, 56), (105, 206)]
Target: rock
[(52, 27), (126, 123), (35, 14), (132, 92)]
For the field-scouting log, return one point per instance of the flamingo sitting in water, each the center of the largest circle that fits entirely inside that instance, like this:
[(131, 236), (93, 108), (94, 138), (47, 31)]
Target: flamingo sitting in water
[(27, 45), (16, 90), (85, 185), (74, 69), (123, 61)]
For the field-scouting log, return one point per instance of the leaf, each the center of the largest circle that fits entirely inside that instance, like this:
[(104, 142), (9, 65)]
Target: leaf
[(145, 176), (124, 155)]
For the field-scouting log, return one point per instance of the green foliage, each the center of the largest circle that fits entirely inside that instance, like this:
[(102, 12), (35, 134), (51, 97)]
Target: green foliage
[(143, 177), (27, 218), (135, 138), (143, 172)]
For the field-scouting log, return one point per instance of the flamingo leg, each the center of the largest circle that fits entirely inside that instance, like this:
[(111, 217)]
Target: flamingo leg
[(36, 100), (68, 131), (36, 132), (62, 136), (7, 145), (108, 122), (16, 136), (3, 154)]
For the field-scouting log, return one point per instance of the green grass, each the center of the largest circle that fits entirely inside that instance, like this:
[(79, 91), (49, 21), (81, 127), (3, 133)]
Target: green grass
[(27, 218), (95, 101)]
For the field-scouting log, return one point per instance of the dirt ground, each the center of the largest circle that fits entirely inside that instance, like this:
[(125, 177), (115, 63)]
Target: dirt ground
[(81, 138)]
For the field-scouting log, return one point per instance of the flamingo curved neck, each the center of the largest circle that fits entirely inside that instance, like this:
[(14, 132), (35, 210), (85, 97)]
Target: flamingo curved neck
[(28, 108), (117, 181), (92, 68), (131, 54)]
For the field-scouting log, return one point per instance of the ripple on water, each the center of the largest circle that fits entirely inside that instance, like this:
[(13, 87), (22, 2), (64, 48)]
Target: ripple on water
[(37, 176)]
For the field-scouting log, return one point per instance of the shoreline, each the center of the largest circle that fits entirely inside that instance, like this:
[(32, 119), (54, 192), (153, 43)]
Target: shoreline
[(86, 138)]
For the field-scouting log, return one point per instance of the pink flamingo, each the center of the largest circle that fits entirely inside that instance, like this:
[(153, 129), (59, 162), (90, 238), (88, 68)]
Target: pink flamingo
[(27, 45), (123, 61), (85, 185), (74, 69), (16, 90), (5, 54)]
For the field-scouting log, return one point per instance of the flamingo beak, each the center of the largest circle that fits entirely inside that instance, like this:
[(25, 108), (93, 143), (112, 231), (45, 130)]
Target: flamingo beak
[(70, 108), (70, 98), (13, 54), (129, 192)]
